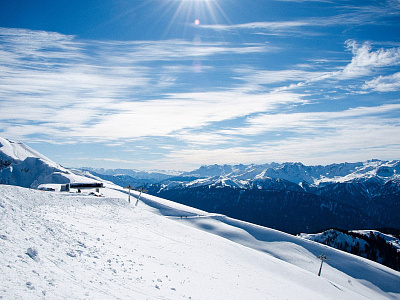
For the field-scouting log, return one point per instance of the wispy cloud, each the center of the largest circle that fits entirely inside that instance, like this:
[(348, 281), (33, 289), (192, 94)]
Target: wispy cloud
[(268, 77), (365, 59), (110, 91), (315, 122), (106, 90), (327, 1), (65, 90), (152, 95), (328, 76), (350, 135), (388, 83), (177, 113), (364, 13), (272, 26)]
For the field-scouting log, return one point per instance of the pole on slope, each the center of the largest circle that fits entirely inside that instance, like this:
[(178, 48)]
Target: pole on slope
[(322, 257), (141, 190), (129, 195)]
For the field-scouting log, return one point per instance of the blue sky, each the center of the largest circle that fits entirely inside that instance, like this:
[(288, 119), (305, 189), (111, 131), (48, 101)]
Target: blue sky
[(175, 84)]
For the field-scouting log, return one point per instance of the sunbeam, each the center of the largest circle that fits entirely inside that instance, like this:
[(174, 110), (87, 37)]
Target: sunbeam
[(195, 12)]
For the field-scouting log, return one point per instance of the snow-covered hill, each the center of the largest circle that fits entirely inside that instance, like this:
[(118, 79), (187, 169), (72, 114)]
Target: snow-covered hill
[(20, 165), (70, 246)]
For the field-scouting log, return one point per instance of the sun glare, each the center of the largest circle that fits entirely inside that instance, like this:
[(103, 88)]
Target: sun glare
[(198, 12)]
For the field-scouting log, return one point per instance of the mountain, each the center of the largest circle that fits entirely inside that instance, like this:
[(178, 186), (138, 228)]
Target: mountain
[(135, 178), (288, 211), (299, 173), (293, 197), (372, 244), (61, 245), (290, 196), (20, 165), (57, 245)]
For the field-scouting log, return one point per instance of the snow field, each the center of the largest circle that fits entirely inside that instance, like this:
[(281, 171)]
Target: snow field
[(70, 246)]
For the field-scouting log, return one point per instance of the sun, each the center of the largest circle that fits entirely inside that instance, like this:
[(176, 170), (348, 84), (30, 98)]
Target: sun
[(199, 12), (192, 0), (179, 16)]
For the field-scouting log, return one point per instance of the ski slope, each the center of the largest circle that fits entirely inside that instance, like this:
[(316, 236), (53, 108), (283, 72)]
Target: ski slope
[(73, 246)]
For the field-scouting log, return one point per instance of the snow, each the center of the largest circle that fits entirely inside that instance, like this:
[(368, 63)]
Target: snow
[(19, 151), (20, 165), (240, 175), (387, 237), (336, 236), (74, 246)]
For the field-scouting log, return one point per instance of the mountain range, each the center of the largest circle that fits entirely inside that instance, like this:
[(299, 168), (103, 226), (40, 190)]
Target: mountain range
[(67, 245), (291, 197)]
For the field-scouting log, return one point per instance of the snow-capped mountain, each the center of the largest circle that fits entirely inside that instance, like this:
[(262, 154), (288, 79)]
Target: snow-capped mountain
[(298, 173), (21, 165), (289, 197), (293, 197), (60, 245), (292, 176), (125, 177), (70, 246), (150, 176)]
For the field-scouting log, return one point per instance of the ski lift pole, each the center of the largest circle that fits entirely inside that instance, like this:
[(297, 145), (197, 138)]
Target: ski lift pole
[(322, 257), (129, 194), (138, 198), (141, 190)]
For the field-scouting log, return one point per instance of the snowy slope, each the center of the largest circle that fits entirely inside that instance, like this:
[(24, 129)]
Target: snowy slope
[(289, 248), (19, 151), (20, 165), (69, 246)]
